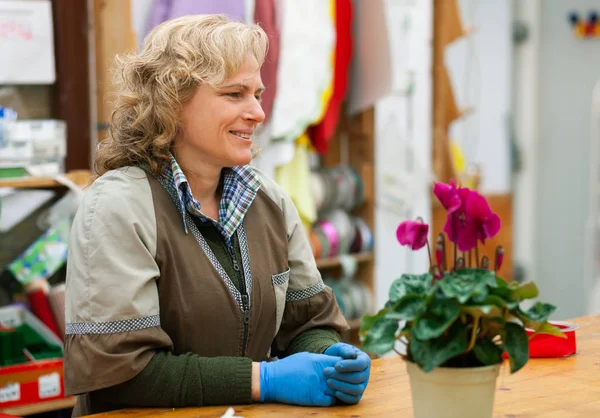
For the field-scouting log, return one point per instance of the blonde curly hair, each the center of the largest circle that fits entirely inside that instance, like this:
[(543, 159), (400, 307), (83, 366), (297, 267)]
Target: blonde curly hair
[(152, 85)]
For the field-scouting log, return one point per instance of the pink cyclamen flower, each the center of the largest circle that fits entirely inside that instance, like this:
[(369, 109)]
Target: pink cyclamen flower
[(448, 195), (456, 213), (477, 223), (413, 234)]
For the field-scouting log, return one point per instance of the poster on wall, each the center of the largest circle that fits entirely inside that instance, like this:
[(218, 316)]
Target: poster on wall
[(26, 42)]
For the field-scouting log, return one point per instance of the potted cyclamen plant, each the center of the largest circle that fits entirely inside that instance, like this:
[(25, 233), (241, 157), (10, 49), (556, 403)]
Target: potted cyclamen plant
[(457, 322)]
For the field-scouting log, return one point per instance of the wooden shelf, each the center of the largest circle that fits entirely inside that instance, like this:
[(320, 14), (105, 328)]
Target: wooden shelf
[(41, 407), (79, 177), (324, 263)]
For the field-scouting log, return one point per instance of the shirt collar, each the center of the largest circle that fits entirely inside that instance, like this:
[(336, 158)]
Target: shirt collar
[(240, 185)]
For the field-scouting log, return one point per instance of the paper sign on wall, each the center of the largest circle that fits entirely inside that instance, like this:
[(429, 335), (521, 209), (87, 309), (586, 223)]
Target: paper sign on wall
[(26, 42)]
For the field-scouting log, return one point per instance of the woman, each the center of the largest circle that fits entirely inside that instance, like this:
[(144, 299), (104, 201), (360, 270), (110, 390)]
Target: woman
[(189, 271)]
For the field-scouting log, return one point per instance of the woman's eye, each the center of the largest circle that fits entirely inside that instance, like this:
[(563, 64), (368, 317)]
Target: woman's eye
[(235, 95), (259, 99)]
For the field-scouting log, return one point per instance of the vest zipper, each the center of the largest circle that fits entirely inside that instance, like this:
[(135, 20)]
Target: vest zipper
[(245, 298)]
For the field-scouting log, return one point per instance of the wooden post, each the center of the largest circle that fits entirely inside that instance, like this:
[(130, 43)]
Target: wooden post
[(72, 88), (114, 35)]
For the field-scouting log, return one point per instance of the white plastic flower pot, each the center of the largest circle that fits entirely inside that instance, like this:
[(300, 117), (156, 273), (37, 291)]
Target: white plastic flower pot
[(453, 392)]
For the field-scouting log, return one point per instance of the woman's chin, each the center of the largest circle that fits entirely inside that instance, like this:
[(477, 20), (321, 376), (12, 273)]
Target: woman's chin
[(243, 158)]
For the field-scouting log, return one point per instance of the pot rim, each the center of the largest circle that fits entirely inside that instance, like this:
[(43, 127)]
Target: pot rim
[(478, 368)]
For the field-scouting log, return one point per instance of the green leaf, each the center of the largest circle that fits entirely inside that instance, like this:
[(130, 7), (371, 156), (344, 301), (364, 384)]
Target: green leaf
[(367, 321), (420, 284), (432, 353), (502, 289), (477, 311), (487, 352), (440, 314), (526, 291), (500, 302), (547, 328), (408, 307), (540, 312), (459, 286), (516, 344), (379, 333), (484, 276)]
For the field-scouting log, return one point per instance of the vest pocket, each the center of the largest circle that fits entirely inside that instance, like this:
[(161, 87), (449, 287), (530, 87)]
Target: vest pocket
[(280, 285)]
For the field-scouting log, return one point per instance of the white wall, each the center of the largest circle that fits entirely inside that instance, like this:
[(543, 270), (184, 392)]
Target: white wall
[(403, 143), (480, 68)]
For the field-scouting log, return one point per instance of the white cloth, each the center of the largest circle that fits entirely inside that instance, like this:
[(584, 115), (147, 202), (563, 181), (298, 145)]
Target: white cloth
[(305, 65)]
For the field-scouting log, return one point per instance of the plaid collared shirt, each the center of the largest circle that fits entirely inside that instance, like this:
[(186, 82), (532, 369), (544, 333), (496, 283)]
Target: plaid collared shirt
[(240, 185)]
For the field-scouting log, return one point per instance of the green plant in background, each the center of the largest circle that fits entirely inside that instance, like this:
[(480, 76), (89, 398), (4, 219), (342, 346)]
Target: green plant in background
[(465, 316)]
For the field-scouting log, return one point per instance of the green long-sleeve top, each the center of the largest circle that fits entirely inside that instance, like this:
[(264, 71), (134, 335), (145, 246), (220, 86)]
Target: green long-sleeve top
[(190, 380)]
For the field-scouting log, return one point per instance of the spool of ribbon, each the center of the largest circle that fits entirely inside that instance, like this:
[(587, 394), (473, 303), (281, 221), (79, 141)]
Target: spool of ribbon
[(331, 234), (338, 187), (353, 297), (338, 233), (344, 227), (315, 243)]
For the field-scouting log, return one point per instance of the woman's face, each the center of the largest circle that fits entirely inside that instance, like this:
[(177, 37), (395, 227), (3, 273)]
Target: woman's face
[(218, 123)]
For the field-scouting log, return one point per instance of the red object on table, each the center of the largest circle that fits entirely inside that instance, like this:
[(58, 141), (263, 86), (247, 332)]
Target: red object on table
[(550, 346)]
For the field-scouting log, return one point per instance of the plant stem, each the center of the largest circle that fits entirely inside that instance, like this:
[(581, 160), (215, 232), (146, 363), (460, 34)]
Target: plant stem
[(454, 238), (429, 254), (474, 334), (477, 254)]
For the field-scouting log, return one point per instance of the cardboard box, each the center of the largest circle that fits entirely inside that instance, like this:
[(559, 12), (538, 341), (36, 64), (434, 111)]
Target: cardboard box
[(33, 381)]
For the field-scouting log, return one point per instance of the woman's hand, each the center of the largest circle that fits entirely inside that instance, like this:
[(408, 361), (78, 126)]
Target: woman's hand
[(348, 379), (298, 379)]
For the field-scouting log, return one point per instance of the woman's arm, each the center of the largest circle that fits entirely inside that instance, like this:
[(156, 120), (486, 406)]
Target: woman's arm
[(187, 380)]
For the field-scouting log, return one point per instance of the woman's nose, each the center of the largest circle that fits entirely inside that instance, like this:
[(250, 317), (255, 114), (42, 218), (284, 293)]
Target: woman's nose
[(255, 111)]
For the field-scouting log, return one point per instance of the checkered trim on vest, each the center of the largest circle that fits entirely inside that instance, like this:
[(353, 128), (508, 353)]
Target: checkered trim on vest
[(112, 327), (281, 278), (245, 260), (306, 293)]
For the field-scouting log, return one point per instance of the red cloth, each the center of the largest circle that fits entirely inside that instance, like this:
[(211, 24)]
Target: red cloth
[(265, 14), (321, 133)]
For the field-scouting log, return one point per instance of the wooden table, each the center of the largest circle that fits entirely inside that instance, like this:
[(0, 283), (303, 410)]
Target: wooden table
[(565, 388)]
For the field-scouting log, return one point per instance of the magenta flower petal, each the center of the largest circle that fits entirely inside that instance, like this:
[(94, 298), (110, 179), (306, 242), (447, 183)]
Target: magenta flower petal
[(413, 234), (447, 195), (491, 226), (449, 227), (467, 237), (476, 207)]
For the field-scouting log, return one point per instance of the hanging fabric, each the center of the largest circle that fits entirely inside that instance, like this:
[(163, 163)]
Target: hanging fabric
[(163, 10), (295, 179), (266, 15), (321, 133), (305, 68)]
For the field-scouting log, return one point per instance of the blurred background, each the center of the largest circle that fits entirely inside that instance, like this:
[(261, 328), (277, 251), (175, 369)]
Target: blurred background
[(369, 102)]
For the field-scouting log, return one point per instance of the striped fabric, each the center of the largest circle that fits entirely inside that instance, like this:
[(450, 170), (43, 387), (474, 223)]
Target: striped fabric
[(240, 185)]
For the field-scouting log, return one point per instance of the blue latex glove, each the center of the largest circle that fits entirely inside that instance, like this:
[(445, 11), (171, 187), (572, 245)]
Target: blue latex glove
[(297, 379), (348, 379)]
